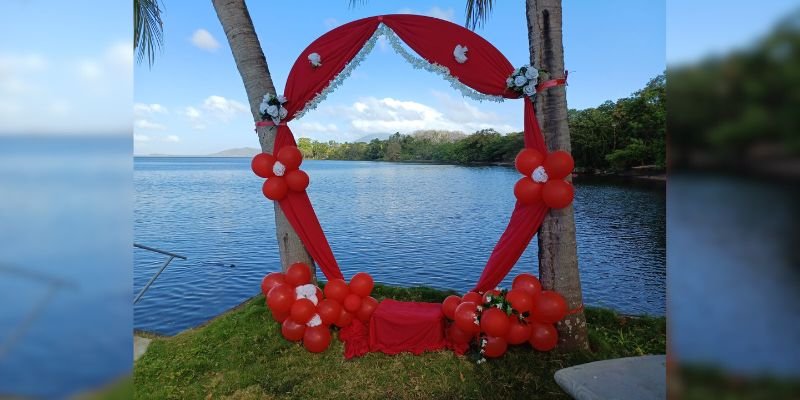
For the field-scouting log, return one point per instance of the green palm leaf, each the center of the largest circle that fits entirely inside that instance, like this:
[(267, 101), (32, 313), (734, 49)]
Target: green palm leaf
[(147, 29)]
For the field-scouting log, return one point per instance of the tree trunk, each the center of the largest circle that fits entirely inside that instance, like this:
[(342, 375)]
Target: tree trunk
[(558, 256), (252, 65)]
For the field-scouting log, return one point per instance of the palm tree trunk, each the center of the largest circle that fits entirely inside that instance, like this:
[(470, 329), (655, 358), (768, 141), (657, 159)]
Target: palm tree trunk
[(558, 257), (252, 65)]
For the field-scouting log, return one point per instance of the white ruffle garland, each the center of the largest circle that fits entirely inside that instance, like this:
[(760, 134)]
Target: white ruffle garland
[(415, 62), (539, 175)]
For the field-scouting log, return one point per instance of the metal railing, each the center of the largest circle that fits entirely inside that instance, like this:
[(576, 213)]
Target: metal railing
[(170, 257)]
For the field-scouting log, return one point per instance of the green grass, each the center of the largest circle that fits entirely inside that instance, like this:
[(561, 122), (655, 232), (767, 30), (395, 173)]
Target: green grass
[(241, 355)]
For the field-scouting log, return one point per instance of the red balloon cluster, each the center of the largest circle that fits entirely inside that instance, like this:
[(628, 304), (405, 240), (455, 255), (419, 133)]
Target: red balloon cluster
[(472, 317), (544, 178), (281, 172), (306, 313)]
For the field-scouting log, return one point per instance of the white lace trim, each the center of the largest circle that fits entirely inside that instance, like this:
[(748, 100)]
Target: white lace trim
[(415, 62)]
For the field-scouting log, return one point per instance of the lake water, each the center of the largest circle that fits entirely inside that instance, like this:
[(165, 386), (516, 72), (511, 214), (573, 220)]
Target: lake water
[(405, 224)]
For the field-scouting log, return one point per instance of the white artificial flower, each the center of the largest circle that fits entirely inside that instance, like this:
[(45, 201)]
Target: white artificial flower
[(520, 80), (531, 72), (272, 110), (489, 298), (282, 113), (460, 53), (307, 291), (480, 308), (529, 89), (315, 59), (281, 99), (279, 169), (539, 175), (510, 82), (314, 321)]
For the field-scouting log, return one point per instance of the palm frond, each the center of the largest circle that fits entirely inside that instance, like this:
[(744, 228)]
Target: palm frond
[(354, 3), (478, 12), (147, 29)]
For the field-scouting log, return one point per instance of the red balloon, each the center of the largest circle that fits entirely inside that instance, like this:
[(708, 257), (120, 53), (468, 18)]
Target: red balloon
[(449, 306), (361, 284), (262, 165), (548, 307), (557, 193), (345, 319), (472, 297), (352, 302), (297, 180), (275, 188), (319, 294), (302, 311), (520, 300), (528, 283), (495, 347), (544, 337), (466, 312), (456, 335), (292, 331), (279, 316), (329, 311), (290, 156), (527, 160), (281, 298), (271, 280), (519, 332), (337, 289), (368, 306), (494, 322), (527, 191), (558, 164), (298, 274), (317, 339), (494, 293)]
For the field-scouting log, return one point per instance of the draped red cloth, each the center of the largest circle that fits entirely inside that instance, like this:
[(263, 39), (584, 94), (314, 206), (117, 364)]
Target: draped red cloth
[(433, 39)]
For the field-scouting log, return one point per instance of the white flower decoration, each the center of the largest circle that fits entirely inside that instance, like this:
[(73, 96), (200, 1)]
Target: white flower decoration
[(539, 175), (281, 99), (480, 308), (510, 82), (272, 110), (489, 298), (460, 53), (315, 321), (531, 72), (282, 112), (529, 89), (307, 291), (520, 80), (315, 60)]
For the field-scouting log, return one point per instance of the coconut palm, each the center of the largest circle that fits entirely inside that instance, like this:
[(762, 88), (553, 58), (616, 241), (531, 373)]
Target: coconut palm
[(558, 255), (147, 29)]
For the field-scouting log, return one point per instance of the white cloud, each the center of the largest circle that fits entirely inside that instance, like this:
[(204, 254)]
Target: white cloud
[(224, 109), (172, 139), (140, 109), (15, 63), (312, 128), (203, 40), (140, 138), (436, 12), (148, 125), (331, 23)]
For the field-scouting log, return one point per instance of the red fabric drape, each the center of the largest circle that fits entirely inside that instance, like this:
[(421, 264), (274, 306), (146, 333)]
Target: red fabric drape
[(433, 39), (400, 326)]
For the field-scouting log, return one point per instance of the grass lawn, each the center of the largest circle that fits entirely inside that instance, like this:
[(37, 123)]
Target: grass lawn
[(242, 355)]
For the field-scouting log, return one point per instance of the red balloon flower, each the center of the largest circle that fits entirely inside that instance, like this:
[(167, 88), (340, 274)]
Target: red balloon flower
[(543, 179), (281, 172)]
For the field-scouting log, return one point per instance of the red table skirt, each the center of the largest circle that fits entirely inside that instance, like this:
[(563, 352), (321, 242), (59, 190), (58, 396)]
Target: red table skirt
[(397, 327)]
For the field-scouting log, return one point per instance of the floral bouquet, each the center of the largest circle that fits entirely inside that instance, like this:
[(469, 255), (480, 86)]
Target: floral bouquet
[(523, 80)]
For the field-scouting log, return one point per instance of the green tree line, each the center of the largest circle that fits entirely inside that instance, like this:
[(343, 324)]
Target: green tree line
[(613, 136)]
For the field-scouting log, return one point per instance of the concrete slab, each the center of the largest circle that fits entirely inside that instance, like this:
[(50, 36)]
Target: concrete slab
[(140, 346), (635, 378)]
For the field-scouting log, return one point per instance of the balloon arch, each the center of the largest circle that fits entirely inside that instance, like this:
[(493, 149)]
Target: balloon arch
[(474, 67)]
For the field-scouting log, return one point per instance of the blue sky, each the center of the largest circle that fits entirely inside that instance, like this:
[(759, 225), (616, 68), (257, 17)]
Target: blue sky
[(193, 102), (73, 74)]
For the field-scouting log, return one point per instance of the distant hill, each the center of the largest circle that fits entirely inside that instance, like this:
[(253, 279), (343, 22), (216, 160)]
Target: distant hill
[(237, 152), (369, 138)]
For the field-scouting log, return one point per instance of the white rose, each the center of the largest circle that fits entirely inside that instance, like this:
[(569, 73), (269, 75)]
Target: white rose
[(281, 99), (282, 113), (460, 53), (531, 72), (529, 89), (539, 175), (315, 59), (279, 169), (510, 82), (520, 80), (272, 110)]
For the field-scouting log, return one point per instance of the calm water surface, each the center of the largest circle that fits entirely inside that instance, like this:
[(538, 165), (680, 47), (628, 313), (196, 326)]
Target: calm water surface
[(406, 224)]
